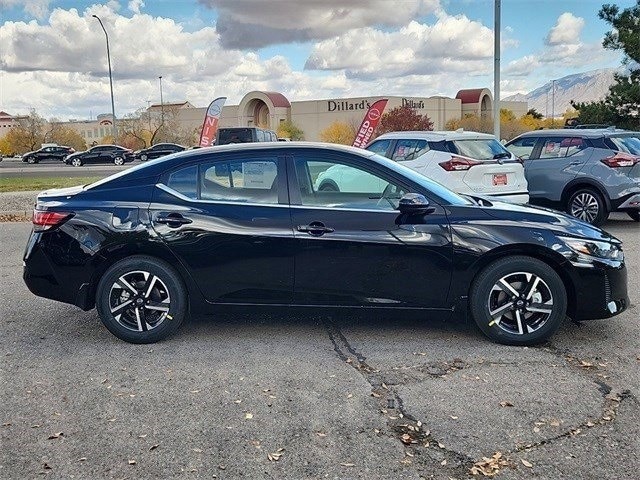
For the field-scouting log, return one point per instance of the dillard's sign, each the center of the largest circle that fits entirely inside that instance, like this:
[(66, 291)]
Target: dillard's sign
[(346, 105)]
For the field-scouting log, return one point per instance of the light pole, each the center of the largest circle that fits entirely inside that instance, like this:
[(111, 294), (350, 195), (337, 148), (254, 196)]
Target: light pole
[(553, 103), (496, 70), (113, 108), (161, 103)]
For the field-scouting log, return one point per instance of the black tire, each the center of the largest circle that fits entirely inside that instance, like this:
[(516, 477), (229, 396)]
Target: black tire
[(143, 158), (169, 284), (76, 162), (118, 161), (328, 187), (485, 289), (634, 214), (32, 160), (587, 205)]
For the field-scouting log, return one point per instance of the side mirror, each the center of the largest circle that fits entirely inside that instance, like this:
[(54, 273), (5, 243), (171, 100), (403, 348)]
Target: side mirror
[(415, 204)]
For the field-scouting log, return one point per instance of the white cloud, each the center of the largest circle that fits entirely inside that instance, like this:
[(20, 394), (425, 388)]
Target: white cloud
[(37, 8), (454, 44), (566, 31), (252, 24), (136, 5)]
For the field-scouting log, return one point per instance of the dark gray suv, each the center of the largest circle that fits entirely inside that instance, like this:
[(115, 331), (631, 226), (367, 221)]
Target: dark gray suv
[(587, 173)]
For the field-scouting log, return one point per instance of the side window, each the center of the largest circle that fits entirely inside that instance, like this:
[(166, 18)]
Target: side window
[(244, 181), (380, 147), (409, 150), (523, 147), (185, 181), (260, 135), (334, 185), (562, 147)]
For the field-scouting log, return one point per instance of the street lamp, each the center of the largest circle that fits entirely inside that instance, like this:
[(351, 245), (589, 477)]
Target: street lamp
[(161, 102), (113, 108), (496, 70)]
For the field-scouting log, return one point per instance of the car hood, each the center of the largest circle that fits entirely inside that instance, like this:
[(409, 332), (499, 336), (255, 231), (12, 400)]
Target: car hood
[(557, 222)]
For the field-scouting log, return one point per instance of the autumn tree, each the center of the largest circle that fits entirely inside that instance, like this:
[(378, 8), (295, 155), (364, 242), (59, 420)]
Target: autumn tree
[(288, 129), (28, 135), (338, 132), (621, 106), (64, 135), (403, 119)]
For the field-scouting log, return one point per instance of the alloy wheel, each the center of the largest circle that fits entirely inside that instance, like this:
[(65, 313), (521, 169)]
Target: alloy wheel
[(118, 161), (585, 207), (76, 162), (139, 301), (520, 303)]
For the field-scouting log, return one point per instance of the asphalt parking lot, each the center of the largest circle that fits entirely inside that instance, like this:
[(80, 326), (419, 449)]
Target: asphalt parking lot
[(281, 394)]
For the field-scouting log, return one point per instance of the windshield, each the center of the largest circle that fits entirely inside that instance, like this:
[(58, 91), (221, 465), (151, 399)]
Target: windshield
[(482, 149), (447, 196), (627, 144)]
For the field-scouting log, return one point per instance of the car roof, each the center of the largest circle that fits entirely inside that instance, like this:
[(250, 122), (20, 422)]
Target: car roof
[(437, 136), (579, 132)]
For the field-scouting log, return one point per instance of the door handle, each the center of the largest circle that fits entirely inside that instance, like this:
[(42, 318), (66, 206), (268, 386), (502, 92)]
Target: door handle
[(316, 229), (173, 219)]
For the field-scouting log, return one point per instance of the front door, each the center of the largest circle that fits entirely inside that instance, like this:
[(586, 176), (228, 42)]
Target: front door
[(352, 245), (227, 220)]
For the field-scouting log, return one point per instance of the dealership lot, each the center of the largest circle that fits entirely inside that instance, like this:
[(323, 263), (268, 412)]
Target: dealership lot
[(308, 394)]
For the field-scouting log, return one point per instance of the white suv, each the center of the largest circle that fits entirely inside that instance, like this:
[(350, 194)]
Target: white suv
[(465, 162)]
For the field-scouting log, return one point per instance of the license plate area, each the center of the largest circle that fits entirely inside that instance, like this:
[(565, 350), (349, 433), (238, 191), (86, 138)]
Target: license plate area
[(499, 179)]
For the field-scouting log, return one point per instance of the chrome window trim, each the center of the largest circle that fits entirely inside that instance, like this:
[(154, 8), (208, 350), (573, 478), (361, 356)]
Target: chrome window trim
[(179, 195)]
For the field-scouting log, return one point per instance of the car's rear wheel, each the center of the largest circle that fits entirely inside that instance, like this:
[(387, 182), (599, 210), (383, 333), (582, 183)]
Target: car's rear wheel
[(143, 158), (76, 162), (634, 214), (518, 301), (588, 205), (118, 161), (31, 160), (141, 299)]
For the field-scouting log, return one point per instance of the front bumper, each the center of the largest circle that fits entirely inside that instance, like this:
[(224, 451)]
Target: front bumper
[(600, 291)]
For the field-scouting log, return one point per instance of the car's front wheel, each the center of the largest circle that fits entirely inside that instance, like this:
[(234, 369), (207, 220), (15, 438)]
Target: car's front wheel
[(518, 301), (118, 161), (76, 162), (588, 205), (32, 160), (143, 158), (141, 299)]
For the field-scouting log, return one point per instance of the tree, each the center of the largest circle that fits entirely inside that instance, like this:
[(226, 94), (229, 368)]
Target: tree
[(403, 119), (64, 135), (533, 113), (28, 135), (288, 129), (338, 132), (621, 106)]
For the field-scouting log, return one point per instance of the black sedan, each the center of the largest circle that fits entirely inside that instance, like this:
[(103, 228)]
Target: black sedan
[(57, 153), (248, 225), (101, 154), (157, 151)]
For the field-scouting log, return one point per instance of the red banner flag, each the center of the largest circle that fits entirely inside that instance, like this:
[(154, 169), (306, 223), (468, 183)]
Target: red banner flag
[(210, 125), (369, 123)]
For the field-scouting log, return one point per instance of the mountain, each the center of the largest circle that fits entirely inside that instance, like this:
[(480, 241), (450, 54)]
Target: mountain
[(579, 87)]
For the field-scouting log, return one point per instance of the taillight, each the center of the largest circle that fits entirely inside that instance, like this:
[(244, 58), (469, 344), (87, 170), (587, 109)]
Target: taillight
[(620, 159), (457, 164), (43, 220)]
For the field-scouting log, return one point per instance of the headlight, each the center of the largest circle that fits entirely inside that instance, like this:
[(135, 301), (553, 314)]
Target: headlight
[(594, 248)]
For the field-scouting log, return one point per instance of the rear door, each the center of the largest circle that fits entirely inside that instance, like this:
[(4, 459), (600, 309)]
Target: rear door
[(227, 220), (352, 245), (555, 162)]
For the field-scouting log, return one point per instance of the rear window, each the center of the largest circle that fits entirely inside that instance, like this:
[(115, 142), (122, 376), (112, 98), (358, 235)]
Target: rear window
[(627, 144), (481, 149)]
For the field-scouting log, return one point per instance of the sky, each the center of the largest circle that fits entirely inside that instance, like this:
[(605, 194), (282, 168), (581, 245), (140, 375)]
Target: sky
[(53, 52)]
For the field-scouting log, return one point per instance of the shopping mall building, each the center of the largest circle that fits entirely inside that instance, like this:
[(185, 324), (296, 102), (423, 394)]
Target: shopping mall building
[(269, 109)]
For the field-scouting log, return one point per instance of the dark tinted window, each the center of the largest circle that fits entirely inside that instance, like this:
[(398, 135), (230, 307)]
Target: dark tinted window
[(235, 135), (185, 181), (380, 147)]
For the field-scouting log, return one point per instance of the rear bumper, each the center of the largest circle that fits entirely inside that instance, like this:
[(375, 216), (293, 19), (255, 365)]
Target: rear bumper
[(601, 292)]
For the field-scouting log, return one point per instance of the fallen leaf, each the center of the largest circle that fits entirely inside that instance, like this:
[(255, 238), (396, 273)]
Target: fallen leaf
[(453, 417), (526, 464), (321, 434), (506, 404), (536, 429), (237, 401), (406, 439), (374, 394), (443, 462), (33, 426), (46, 466), (55, 435), (350, 395), (248, 416), (348, 464), (132, 462), (153, 447), (194, 391), (554, 423), (197, 450), (144, 435), (440, 445), (83, 459), (489, 467)]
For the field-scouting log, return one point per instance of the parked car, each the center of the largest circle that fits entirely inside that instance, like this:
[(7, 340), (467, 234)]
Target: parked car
[(587, 173), (465, 162), (246, 225), (228, 135), (57, 153), (101, 154), (158, 150)]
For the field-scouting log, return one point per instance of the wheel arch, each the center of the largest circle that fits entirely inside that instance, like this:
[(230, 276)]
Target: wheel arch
[(551, 258), (578, 183), (114, 253)]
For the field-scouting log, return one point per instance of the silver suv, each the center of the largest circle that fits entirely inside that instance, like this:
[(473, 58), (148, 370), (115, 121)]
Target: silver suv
[(587, 173)]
